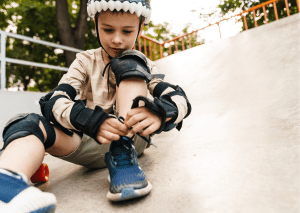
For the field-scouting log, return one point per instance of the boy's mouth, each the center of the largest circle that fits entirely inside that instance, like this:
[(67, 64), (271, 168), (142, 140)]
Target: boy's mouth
[(117, 50)]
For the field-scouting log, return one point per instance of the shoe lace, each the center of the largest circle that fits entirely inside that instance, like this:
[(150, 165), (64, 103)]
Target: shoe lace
[(121, 153), (121, 119)]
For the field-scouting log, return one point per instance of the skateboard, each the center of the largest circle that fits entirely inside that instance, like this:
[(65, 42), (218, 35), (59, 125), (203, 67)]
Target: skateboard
[(41, 175)]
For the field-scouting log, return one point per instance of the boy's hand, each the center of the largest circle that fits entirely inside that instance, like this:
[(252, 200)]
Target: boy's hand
[(142, 118), (110, 130)]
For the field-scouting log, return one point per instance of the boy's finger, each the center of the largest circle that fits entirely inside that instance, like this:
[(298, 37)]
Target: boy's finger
[(109, 135), (103, 140), (140, 126), (150, 129), (115, 130), (135, 119), (118, 125), (132, 112)]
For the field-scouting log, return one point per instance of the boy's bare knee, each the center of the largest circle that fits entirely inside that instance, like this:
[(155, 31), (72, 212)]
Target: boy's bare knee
[(64, 144)]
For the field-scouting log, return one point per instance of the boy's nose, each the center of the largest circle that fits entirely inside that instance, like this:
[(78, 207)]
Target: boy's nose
[(117, 39)]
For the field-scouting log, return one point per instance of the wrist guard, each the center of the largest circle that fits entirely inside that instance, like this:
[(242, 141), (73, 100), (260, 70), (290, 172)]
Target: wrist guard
[(164, 108), (87, 120), (47, 103)]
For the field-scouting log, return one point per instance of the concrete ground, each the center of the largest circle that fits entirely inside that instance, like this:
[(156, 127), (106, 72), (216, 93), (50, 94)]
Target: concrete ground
[(239, 149)]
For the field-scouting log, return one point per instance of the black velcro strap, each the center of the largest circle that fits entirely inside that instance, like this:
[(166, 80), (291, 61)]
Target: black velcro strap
[(51, 135), (46, 109), (71, 92), (169, 107), (160, 88), (87, 120), (180, 93)]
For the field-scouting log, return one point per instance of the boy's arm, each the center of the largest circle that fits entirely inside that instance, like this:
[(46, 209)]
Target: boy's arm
[(60, 107)]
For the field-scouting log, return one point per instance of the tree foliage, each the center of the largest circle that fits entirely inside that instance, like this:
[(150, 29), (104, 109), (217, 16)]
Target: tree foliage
[(229, 6), (38, 19)]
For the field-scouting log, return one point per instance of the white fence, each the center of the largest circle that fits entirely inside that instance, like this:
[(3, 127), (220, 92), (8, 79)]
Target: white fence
[(4, 60)]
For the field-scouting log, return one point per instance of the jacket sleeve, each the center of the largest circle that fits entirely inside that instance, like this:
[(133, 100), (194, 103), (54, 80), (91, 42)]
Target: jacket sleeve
[(60, 107), (57, 105)]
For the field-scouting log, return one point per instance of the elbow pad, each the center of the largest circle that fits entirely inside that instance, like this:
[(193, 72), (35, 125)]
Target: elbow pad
[(132, 63), (87, 120), (47, 103)]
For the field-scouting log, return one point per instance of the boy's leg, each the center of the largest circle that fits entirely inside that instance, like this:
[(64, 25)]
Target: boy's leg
[(128, 90), (22, 157), (127, 180), (25, 155)]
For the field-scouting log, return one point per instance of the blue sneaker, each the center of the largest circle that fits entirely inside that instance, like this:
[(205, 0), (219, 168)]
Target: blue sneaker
[(127, 180), (16, 196)]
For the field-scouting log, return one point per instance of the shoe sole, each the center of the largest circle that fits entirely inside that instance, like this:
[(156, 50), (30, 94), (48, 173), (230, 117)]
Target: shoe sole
[(31, 200), (129, 193), (48, 209)]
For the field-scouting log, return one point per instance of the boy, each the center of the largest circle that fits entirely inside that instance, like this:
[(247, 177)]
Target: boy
[(84, 131)]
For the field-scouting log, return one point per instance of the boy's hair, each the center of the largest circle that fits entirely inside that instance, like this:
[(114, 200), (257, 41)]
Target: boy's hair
[(142, 18)]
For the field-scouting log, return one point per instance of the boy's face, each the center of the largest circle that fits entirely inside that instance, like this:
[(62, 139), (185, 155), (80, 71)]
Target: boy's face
[(118, 31)]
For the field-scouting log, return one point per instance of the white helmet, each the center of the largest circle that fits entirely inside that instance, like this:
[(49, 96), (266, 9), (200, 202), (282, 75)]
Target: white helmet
[(139, 7)]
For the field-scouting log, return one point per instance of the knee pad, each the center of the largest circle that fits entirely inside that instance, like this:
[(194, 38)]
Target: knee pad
[(132, 63), (22, 125)]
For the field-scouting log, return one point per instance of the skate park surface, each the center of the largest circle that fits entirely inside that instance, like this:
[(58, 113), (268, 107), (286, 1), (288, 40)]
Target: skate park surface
[(237, 152)]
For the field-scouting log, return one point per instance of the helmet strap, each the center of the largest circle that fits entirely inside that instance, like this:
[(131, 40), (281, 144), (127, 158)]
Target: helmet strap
[(96, 22)]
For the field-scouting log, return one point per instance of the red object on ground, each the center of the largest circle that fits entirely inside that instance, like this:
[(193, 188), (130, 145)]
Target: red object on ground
[(41, 175)]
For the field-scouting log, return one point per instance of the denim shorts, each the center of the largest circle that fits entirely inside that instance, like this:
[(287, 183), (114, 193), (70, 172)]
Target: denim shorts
[(91, 154)]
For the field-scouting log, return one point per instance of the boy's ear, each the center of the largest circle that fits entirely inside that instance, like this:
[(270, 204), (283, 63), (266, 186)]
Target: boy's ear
[(141, 28)]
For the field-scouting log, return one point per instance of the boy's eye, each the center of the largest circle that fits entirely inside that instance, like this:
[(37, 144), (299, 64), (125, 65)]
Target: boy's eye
[(108, 30), (126, 31)]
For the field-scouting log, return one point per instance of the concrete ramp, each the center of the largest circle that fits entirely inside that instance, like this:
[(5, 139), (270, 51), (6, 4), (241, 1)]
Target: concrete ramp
[(13, 103), (239, 149)]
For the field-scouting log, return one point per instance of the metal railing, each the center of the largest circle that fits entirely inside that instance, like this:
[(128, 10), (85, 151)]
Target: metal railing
[(4, 59), (149, 42)]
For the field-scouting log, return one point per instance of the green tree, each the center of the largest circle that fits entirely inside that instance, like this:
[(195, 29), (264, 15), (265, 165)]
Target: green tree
[(229, 6), (43, 20)]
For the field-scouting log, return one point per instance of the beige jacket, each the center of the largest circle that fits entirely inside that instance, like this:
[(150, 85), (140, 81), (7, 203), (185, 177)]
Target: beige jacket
[(85, 75)]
